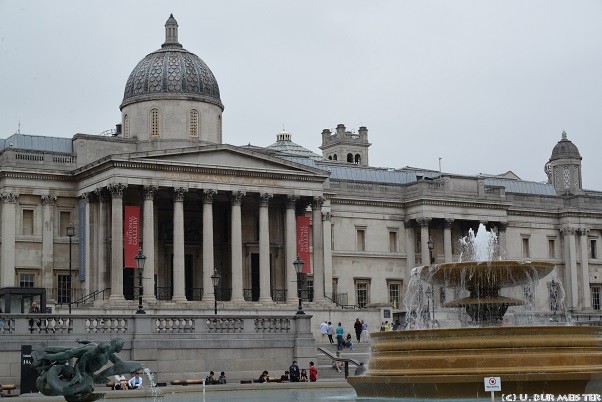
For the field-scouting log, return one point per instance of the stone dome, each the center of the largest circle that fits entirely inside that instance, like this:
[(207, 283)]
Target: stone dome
[(171, 73), (565, 149)]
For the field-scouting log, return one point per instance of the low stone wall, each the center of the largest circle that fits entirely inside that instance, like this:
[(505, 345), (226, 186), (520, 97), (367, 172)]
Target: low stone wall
[(173, 347)]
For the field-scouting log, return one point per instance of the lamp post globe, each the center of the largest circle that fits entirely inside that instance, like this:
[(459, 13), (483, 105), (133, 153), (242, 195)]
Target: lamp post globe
[(215, 279), (298, 264), (140, 260), (70, 234)]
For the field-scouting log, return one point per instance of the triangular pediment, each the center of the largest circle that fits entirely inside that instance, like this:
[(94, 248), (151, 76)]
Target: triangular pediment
[(226, 157)]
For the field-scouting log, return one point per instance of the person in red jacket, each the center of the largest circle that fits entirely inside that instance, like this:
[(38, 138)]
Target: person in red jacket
[(313, 372)]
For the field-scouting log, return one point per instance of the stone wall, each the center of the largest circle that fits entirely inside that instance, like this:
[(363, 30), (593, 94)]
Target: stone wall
[(173, 347)]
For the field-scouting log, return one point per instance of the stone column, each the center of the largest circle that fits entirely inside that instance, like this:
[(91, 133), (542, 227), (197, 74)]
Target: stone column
[(327, 228), (47, 241), (424, 238), (179, 287), (101, 241), (264, 248), (236, 245), (570, 268), (586, 301), (447, 240), (501, 232), (410, 244), (116, 190), (9, 212), (148, 242), (290, 249), (318, 248), (208, 260)]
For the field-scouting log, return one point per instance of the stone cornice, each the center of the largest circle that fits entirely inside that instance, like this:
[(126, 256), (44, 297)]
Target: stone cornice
[(36, 176), (195, 169), (462, 204)]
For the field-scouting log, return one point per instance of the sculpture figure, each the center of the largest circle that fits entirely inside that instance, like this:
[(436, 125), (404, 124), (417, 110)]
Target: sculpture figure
[(76, 382)]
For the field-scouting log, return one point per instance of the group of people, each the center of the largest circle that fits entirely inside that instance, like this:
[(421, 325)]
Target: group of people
[(360, 328), (294, 374), (392, 326), (123, 384), (210, 379)]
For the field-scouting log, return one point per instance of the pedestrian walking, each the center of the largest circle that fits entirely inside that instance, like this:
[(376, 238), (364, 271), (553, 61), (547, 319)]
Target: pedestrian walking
[(330, 332), (340, 332), (324, 330), (357, 326), (365, 331)]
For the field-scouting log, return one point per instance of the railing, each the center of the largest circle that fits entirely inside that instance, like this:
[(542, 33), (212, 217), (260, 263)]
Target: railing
[(61, 295), (96, 295), (279, 295), (588, 319), (163, 292), (341, 300)]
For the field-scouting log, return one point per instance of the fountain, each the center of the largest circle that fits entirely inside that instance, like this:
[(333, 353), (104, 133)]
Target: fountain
[(453, 362)]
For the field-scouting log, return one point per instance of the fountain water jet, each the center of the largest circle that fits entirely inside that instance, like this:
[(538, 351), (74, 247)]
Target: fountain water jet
[(452, 362)]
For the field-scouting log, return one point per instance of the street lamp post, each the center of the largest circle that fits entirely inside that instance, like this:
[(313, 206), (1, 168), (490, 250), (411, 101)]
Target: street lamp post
[(70, 233), (140, 260), (298, 264), (215, 279)]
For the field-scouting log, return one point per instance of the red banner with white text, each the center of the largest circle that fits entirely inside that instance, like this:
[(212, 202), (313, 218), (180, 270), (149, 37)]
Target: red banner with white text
[(131, 235), (303, 242)]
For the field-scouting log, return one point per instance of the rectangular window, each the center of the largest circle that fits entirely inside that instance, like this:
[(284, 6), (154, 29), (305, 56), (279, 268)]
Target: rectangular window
[(551, 248), (395, 294), (27, 280), (360, 237), (596, 297), (593, 252), (27, 222), (64, 287), (393, 241), (362, 293), (526, 253)]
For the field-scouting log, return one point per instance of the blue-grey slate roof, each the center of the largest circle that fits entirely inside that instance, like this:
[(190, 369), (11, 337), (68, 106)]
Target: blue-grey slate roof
[(521, 186), (37, 143)]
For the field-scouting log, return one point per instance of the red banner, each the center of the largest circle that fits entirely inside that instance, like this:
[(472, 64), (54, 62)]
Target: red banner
[(303, 242), (131, 235)]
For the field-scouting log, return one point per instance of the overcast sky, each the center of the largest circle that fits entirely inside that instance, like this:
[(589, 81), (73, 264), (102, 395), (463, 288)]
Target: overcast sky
[(488, 86)]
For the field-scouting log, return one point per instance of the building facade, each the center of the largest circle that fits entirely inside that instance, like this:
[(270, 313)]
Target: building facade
[(206, 206)]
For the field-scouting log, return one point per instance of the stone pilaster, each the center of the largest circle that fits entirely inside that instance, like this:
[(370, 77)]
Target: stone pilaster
[(327, 230), (87, 269), (586, 301), (502, 236), (570, 267), (410, 244), (424, 238), (102, 278), (47, 240), (318, 248), (9, 212)]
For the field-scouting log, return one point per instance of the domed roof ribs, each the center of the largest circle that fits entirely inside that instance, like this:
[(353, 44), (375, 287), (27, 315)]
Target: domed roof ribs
[(171, 33)]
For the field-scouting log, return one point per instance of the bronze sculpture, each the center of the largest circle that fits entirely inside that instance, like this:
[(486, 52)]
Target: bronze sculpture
[(76, 382)]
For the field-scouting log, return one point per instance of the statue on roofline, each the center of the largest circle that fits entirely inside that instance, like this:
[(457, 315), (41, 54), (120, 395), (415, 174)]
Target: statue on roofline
[(76, 382)]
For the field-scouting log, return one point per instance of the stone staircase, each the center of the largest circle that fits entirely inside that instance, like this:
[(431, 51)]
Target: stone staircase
[(360, 352)]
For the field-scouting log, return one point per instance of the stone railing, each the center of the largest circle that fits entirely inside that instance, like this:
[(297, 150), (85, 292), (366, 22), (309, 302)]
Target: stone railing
[(173, 346)]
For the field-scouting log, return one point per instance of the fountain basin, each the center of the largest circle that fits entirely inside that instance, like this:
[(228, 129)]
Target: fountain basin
[(453, 362)]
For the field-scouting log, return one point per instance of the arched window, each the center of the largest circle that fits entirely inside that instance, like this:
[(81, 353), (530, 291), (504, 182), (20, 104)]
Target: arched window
[(335, 157), (358, 159), (194, 123), (154, 122), (329, 157), (350, 158), (126, 126)]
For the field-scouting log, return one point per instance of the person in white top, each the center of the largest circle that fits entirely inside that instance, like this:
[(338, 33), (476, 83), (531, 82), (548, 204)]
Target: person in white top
[(135, 382), (324, 330)]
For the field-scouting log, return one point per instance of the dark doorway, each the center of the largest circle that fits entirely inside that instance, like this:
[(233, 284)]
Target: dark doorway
[(189, 278), (254, 276), (128, 283)]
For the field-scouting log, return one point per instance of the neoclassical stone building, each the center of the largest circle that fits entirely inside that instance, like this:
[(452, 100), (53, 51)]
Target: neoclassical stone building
[(166, 182)]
